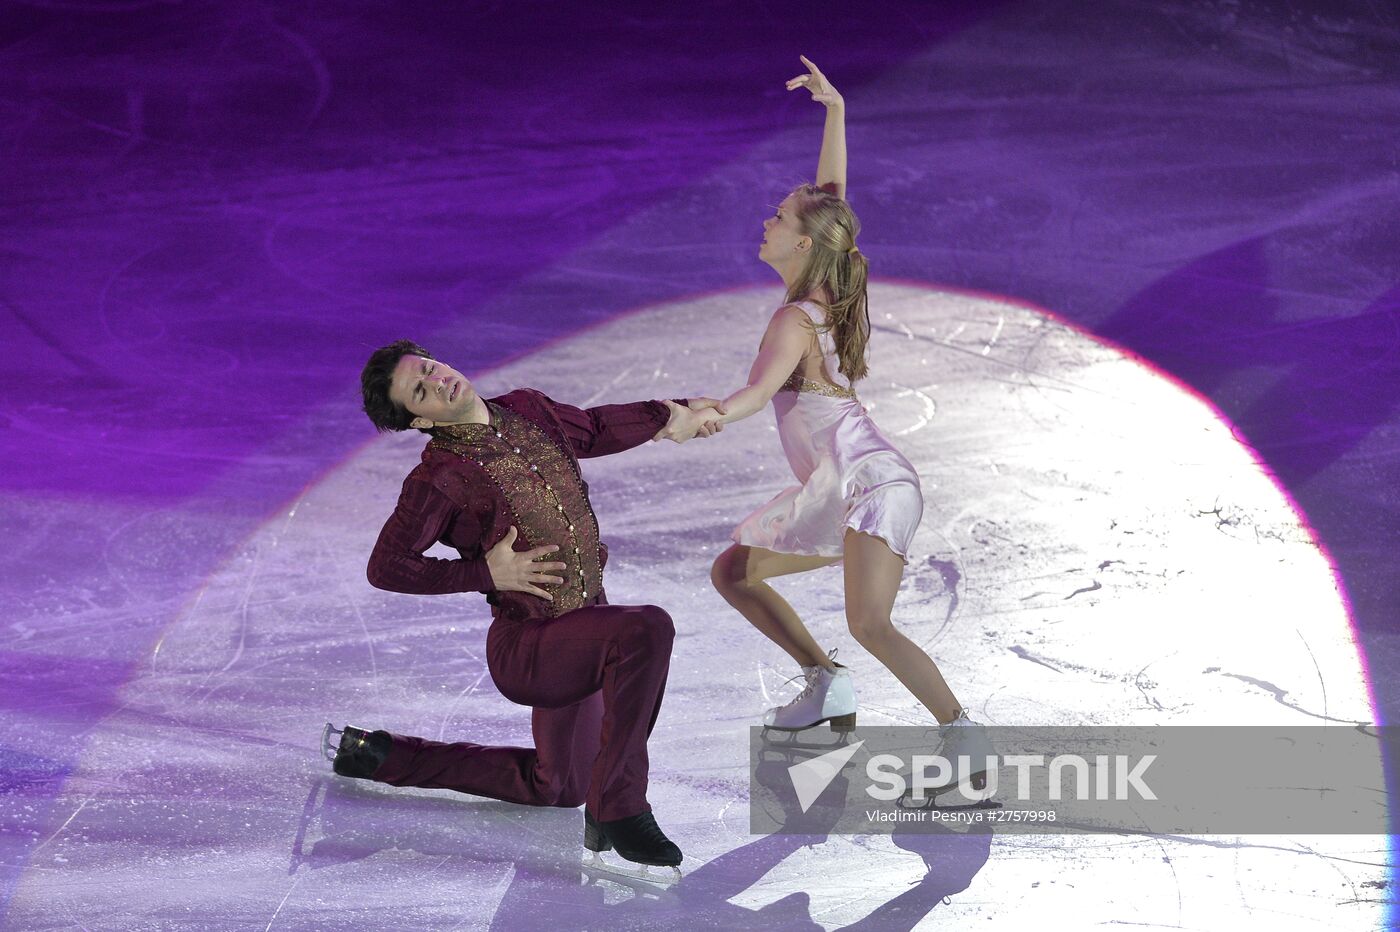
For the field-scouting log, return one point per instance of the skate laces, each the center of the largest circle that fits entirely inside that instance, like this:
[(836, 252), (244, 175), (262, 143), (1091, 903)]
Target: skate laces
[(811, 673), (651, 832)]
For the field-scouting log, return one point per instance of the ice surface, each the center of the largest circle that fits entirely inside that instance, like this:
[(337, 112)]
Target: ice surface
[(1098, 548), (210, 212)]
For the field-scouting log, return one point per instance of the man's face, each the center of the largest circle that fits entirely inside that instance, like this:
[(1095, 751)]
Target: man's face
[(432, 391)]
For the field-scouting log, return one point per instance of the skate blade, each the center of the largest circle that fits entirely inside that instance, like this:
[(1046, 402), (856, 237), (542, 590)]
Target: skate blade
[(796, 738), (839, 729), (330, 746), (932, 804), (930, 799), (840, 724), (647, 876)]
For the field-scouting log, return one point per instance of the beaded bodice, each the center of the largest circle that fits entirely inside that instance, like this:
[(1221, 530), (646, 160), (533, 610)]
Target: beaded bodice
[(545, 493), (798, 383)]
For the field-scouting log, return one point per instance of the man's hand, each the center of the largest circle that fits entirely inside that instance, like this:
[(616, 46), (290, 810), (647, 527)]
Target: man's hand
[(517, 571), (686, 422)]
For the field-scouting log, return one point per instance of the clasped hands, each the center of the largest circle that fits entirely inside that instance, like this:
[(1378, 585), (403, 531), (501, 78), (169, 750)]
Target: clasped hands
[(699, 417)]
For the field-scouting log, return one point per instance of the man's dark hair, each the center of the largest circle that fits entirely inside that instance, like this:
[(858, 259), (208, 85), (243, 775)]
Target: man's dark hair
[(383, 413)]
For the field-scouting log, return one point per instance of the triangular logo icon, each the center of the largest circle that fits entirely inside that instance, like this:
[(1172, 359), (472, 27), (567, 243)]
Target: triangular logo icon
[(811, 777)]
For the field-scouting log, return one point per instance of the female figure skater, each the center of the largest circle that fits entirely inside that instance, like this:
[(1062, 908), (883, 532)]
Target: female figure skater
[(859, 498)]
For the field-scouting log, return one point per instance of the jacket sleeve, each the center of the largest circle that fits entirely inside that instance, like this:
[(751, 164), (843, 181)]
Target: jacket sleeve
[(423, 516), (609, 429)]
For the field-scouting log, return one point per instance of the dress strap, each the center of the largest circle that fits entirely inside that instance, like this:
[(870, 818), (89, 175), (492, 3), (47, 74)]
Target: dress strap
[(814, 314), (826, 346)]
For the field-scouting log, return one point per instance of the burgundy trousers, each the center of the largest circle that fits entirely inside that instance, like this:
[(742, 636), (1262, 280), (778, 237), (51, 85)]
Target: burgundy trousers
[(594, 677)]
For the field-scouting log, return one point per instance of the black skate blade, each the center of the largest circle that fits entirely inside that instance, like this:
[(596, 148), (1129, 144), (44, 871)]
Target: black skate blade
[(800, 739), (931, 801)]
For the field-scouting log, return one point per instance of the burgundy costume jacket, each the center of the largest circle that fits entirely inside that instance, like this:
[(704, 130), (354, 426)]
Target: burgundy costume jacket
[(476, 481)]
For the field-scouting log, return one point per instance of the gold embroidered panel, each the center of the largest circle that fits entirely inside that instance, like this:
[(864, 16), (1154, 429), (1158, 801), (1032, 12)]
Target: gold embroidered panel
[(544, 493)]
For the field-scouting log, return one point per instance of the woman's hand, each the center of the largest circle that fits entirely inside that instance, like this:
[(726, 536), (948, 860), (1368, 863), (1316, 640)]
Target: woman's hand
[(831, 164), (817, 83), (691, 421), (711, 411)]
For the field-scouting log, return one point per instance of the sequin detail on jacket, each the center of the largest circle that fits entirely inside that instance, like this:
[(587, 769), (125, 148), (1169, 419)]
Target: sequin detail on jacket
[(545, 494)]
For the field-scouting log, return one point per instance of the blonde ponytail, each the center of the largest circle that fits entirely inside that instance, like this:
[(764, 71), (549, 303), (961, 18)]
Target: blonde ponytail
[(838, 267)]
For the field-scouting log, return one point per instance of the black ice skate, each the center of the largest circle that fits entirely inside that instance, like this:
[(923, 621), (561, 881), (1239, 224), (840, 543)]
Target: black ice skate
[(638, 839), (358, 753)]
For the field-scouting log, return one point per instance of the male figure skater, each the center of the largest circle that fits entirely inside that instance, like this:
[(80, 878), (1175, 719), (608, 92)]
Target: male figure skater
[(499, 481)]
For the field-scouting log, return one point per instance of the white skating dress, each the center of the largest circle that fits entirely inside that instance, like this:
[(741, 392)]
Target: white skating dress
[(850, 474)]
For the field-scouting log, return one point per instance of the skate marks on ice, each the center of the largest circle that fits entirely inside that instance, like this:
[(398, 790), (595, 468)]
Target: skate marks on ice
[(1096, 548), (1072, 567)]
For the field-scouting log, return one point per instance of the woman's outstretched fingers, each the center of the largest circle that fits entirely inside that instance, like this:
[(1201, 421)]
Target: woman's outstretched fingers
[(816, 84), (812, 79)]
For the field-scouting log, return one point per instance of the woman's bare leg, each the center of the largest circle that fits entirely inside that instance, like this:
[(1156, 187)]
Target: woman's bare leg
[(739, 575), (873, 572)]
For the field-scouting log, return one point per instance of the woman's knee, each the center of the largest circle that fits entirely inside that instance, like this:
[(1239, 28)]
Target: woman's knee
[(869, 629), (729, 571)]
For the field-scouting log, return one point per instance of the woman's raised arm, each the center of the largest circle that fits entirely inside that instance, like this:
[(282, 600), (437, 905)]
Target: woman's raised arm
[(831, 164)]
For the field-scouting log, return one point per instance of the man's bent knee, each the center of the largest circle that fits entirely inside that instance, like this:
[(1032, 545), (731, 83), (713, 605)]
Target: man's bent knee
[(651, 623), (657, 617)]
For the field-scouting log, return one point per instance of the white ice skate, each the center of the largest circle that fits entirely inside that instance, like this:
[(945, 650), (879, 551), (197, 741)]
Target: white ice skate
[(966, 746), (828, 696)]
